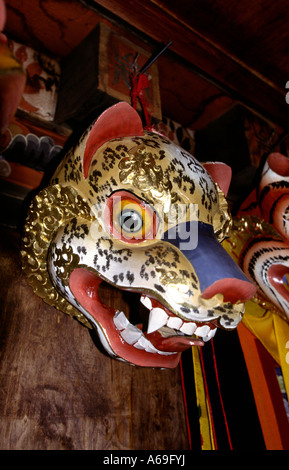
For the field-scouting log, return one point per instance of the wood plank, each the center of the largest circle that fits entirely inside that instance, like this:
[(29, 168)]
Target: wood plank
[(59, 391)]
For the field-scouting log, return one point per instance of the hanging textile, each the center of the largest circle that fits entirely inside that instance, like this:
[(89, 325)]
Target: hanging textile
[(205, 413), (222, 398), (268, 397), (272, 331)]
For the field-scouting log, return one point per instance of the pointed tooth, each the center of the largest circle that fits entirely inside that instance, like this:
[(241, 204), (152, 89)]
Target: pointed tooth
[(188, 328), (175, 323), (202, 330), (131, 334), (142, 343), (120, 320), (151, 349), (145, 344), (157, 319), (146, 301), (210, 335)]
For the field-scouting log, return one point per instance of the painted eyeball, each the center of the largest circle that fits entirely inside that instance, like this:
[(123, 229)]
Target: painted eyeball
[(129, 218)]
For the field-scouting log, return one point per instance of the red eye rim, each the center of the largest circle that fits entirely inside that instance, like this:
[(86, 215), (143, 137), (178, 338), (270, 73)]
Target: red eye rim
[(143, 207)]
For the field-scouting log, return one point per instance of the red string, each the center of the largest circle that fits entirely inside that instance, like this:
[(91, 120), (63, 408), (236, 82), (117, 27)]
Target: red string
[(139, 82), (219, 389), (208, 397), (186, 405)]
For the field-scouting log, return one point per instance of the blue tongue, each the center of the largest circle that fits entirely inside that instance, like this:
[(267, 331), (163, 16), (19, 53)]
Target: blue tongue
[(199, 244)]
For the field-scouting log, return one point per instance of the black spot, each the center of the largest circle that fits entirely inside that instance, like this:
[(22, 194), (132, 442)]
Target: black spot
[(185, 310), (130, 277), (159, 288)]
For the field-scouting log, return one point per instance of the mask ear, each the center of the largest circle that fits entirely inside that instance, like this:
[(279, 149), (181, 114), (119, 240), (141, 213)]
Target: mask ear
[(121, 120), (221, 174)]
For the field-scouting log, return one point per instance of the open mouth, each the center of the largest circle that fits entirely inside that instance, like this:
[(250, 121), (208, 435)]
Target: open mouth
[(175, 331), (157, 342)]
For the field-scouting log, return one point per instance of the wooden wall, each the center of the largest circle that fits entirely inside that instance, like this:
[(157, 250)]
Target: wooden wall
[(60, 392)]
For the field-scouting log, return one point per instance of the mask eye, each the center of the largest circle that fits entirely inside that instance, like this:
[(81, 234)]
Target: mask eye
[(129, 218)]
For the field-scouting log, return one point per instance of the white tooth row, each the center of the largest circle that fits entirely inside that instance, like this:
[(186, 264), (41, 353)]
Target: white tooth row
[(132, 335), (159, 318)]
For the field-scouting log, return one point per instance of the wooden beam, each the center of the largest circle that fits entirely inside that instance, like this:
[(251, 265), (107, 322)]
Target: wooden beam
[(240, 81)]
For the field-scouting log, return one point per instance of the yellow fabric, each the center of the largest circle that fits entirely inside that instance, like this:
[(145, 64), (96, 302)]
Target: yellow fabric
[(264, 400), (273, 332), (281, 329), (262, 320), (8, 63), (206, 429)]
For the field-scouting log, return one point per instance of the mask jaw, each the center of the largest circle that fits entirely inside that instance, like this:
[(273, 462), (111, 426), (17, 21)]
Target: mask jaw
[(157, 347), (84, 286)]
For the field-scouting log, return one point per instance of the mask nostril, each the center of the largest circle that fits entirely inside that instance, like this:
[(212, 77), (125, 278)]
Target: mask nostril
[(233, 290)]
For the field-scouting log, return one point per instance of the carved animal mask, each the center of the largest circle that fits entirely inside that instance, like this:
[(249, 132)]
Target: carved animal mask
[(132, 209), (261, 234)]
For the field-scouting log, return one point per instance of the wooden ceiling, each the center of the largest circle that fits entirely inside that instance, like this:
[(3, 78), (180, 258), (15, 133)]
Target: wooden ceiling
[(222, 52)]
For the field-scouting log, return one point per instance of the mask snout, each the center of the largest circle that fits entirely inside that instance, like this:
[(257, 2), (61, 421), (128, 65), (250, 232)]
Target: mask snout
[(216, 270)]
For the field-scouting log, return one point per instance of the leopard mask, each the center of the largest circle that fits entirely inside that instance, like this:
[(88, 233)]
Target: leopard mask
[(129, 208)]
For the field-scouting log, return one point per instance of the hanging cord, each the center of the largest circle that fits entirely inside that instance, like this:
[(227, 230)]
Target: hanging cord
[(220, 395), (208, 398), (139, 82), (186, 405)]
